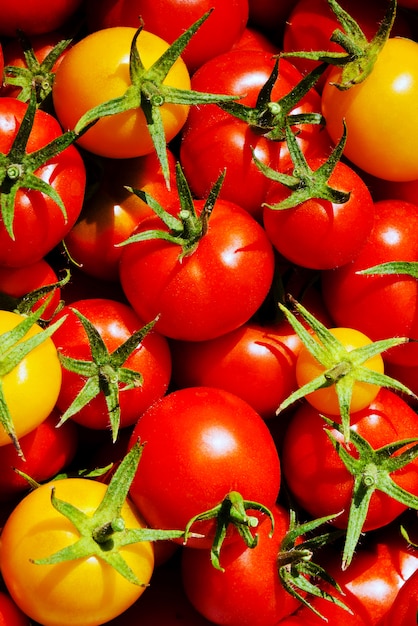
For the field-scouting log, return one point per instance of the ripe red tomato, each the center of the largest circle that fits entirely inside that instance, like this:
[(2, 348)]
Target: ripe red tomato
[(115, 323), (196, 296), (221, 30), (404, 609), (201, 443), (249, 592), (10, 614), (357, 301), (38, 222), (35, 17)]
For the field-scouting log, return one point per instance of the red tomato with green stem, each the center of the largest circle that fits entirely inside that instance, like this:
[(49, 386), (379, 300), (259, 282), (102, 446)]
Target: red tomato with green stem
[(213, 139), (357, 300), (114, 387), (203, 273), (216, 444), (44, 193), (222, 30)]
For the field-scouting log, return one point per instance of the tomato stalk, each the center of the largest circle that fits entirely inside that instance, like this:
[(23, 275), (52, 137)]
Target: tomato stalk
[(14, 348), (372, 471), (232, 510), (188, 228), (105, 372), (148, 91), (342, 367), (359, 56), (104, 533)]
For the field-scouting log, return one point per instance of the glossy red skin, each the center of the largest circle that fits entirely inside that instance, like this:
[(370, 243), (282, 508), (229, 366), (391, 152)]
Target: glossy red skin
[(111, 213), (209, 292), (255, 362), (254, 39), (10, 614), (381, 566), (319, 234), (20, 281), (380, 306), (35, 17), (47, 450), (201, 443), (318, 479), (170, 18), (249, 591), (212, 139), (39, 224), (404, 609), (116, 322), (312, 22)]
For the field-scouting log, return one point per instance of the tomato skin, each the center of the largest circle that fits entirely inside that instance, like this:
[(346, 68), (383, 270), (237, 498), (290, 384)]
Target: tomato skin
[(115, 322), (110, 215), (217, 35), (357, 301), (318, 479), (47, 451), (10, 614), (249, 591), (377, 140), (317, 233), (35, 17), (35, 530), (96, 70), (255, 362), (216, 443), (39, 224), (403, 611), (233, 262), (31, 388), (213, 140)]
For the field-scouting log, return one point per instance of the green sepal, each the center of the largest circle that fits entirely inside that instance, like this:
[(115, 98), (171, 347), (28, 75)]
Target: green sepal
[(397, 268)]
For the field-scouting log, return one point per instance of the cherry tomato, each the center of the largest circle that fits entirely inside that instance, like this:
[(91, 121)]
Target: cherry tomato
[(217, 442), (35, 17), (79, 86), (10, 614), (404, 609), (382, 125), (71, 592)]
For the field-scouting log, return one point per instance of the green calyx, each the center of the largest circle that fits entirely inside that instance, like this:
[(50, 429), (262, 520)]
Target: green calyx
[(17, 168), (148, 92), (37, 77), (231, 511), (372, 471), (105, 372), (342, 368), (103, 534), (359, 55), (13, 349), (295, 563), (188, 228), (271, 118), (304, 182)]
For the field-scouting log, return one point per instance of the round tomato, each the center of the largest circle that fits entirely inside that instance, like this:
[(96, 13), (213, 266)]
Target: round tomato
[(69, 592), (10, 614), (35, 17), (95, 70), (249, 591), (380, 113), (215, 444), (208, 292), (404, 609), (221, 30)]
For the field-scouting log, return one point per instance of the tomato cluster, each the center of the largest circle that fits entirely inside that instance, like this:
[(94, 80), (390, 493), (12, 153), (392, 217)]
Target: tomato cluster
[(208, 312)]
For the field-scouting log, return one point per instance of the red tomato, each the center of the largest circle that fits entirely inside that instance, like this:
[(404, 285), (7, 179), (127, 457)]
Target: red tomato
[(404, 609), (35, 17), (255, 40), (47, 450), (215, 444), (115, 322), (318, 233), (221, 30), (39, 224), (196, 296), (111, 212), (249, 592), (10, 614), (213, 139), (357, 301), (317, 477), (255, 362)]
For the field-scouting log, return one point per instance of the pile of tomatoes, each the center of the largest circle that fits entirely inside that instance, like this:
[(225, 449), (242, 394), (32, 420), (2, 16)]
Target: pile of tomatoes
[(208, 312)]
